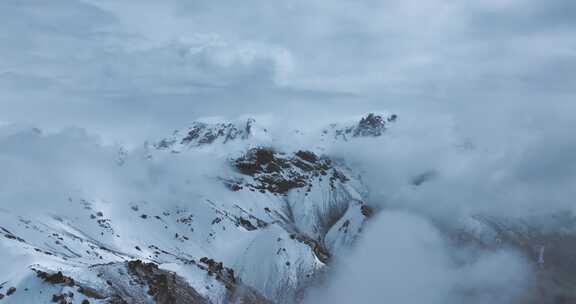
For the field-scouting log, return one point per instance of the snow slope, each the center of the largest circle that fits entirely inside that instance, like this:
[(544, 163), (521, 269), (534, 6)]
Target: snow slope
[(217, 207)]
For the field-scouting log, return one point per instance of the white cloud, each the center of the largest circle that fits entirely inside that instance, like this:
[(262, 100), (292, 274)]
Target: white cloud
[(402, 258)]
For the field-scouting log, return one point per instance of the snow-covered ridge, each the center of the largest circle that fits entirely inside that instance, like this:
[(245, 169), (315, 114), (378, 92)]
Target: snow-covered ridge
[(264, 225), (253, 223), (200, 134), (371, 125)]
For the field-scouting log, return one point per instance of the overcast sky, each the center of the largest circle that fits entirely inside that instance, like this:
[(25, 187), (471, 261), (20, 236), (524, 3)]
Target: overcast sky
[(131, 68)]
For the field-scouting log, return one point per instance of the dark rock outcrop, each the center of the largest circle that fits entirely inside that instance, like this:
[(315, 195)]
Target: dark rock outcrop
[(237, 291), (279, 173), (55, 278), (200, 133), (165, 287), (372, 125)]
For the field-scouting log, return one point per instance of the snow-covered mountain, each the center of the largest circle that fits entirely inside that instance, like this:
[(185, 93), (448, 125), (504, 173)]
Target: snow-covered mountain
[(202, 133), (259, 228), (216, 213)]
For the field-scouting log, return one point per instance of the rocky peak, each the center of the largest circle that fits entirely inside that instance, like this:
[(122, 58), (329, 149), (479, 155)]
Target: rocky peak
[(371, 125), (202, 133), (278, 172)]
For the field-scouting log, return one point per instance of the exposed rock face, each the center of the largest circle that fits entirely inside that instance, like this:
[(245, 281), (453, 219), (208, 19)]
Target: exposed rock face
[(69, 287), (163, 286), (366, 211), (217, 269), (200, 134), (279, 173), (372, 125), (136, 282), (237, 291), (55, 278)]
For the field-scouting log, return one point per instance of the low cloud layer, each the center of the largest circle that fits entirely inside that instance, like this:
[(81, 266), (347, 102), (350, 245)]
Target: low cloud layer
[(431, 165), (94, 63), (402, 258)]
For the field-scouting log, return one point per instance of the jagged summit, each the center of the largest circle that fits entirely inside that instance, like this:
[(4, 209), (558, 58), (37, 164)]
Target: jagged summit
[(371, 125), (200, 134), (203, 133)]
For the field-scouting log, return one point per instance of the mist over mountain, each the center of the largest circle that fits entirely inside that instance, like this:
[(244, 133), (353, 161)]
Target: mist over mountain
[(415, 151)]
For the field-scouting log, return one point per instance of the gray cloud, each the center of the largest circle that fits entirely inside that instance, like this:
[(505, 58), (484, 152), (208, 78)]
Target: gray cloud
[(91, 61)]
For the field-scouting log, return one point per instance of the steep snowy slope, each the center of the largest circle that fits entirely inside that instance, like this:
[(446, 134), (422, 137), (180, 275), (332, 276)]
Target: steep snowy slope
[(215, 213)]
